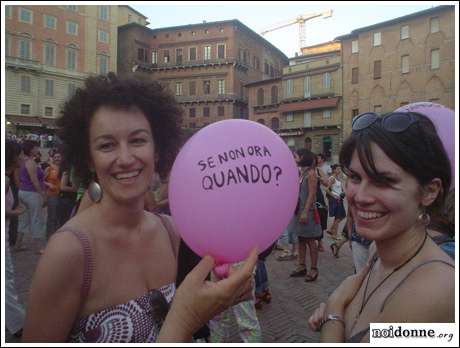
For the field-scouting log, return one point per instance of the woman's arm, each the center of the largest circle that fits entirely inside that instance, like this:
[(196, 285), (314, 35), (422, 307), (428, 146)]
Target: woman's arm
[(54, 297), (65, 187), (197, 300)]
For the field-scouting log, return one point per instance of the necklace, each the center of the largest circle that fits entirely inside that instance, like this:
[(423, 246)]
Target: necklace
[(366, 300)]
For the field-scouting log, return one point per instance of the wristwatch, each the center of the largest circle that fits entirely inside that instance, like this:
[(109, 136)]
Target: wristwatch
[(331, 317)]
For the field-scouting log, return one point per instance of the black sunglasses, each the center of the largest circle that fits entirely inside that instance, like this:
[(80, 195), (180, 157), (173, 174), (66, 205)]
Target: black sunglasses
[(394, 122)]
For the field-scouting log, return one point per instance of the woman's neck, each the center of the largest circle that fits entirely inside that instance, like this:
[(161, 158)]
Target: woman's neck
[(395, 251), (121, 215)]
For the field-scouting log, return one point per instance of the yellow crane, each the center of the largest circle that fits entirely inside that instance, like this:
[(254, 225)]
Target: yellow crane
[(301, 21)]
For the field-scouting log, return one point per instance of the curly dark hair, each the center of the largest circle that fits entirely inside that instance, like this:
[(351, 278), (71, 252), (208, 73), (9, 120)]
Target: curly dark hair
[(158, 105)]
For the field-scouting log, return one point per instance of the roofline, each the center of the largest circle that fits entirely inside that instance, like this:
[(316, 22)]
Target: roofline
[(433, 10), (262, 81), (140, 14), (233, 21)]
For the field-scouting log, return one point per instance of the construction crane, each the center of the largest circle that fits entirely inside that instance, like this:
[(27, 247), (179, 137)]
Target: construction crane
[(301, 21)]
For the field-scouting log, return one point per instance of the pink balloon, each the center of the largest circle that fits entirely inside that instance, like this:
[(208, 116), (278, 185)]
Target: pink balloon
[(233, 187), (443, 119)]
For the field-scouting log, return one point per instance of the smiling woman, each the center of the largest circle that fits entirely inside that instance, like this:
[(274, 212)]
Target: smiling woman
[(398, 175), (109, 275)]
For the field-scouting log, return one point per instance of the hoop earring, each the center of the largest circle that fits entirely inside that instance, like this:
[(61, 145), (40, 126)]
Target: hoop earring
[(95, 191), (424, 218)]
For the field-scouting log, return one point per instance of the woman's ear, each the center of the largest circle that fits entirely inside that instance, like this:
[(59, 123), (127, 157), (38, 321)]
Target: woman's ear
[(431, 191)]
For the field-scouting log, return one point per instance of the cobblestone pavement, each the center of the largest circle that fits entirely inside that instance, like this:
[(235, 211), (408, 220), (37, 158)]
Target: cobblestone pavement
[(283, 320)]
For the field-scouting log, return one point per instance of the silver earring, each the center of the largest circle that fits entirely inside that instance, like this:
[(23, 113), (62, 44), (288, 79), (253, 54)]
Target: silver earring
[(424, 218), (95, 191)]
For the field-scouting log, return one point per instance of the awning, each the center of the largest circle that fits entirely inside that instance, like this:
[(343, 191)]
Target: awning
[(323, 103), (31, 121)]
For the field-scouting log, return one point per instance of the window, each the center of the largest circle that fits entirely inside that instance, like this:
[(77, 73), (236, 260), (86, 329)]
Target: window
[(154, 57), (25, 15), (260, 96), (49, 22), (71, 89), (49, 88), (8, 45), (377, 39), (221, 111), (377, 69), (72, 28), (221, 51), (142, 54), (129, 19), (272, 72), (166, 56), (266, 68), (192, 87), (275, 123), (206, 31), (192, 125), (103, 64), (207, 52), (103, 36), (306, 87), (25, 48), (327, 80), (207, 87), (289, 117), (178, 56), (274, 95), (354, 112), (354, 75), (72, 8), (289, 88), (354, 46), (378, 109), (404, 32), (193, 33), (404, 64), (192, 53), (178, 88), (206, 111), (104, 13), (71, 59), (49, 54), (434, 25), (48, 111), (25, 84), (25, 109), (307, 119), (435, 59), (221, 87), (221, 30), (192, 112), (8, 12), (327, 114)]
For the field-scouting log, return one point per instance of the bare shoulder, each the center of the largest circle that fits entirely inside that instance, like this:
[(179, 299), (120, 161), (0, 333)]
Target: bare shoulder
[(64, 248), (167, 223)]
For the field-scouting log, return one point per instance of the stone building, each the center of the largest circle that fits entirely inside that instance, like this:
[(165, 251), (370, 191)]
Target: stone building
[(206, 65), (400, 61)]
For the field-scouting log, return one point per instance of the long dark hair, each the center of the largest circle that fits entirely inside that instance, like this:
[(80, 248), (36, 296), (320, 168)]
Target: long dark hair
[(418, 150)]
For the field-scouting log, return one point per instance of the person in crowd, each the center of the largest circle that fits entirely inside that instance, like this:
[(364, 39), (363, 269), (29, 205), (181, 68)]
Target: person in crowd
[(322, 170), (14, 311), (335, 196), (67, 196), (305, 223), (398, 175), (32, 195), (52, 188), (14, 186), (306, 149), (109, 274), (245, 315), (262, 292)]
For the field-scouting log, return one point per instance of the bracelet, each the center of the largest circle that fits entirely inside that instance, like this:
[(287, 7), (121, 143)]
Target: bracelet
[(331, 317)]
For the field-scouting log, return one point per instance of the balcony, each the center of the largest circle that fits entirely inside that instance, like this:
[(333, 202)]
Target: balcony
[(324, 103), (231, 97), (260, 109), (194, 64), (21, 63)]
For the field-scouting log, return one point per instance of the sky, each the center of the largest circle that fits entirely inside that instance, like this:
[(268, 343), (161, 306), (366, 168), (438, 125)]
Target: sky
[(346, 16)]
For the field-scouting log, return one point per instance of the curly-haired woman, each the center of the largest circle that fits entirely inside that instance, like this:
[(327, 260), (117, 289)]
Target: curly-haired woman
[(109, 275)]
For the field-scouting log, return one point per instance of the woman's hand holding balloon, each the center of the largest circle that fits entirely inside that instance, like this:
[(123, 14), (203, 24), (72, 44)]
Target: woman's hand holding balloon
[(197, 300)]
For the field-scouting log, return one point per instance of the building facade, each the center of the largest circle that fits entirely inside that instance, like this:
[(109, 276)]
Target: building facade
[(401, 61), (264, 100), (205, 66), (311, 101), (50, 50)]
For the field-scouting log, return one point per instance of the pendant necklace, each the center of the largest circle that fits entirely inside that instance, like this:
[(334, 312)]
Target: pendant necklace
[(366, 300)]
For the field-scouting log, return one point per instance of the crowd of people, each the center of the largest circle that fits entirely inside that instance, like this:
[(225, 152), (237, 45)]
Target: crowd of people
[(101, 203)]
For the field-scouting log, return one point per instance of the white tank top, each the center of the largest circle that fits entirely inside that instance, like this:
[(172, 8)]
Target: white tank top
[(336, 187)]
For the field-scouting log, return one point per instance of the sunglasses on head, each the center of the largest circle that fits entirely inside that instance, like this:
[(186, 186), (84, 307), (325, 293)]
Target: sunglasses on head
[(394, 122)]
